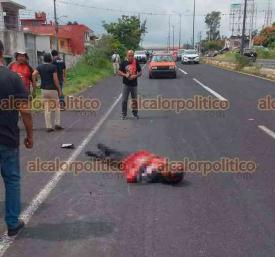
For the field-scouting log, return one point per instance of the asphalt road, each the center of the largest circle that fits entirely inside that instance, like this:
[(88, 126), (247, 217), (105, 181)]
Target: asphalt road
[(99, 215), (267, 63)]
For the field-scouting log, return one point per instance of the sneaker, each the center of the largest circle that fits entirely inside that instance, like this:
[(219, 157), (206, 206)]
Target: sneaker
[(15, 231), (57, 127), (50, 130), (136, 116), (123, 117)]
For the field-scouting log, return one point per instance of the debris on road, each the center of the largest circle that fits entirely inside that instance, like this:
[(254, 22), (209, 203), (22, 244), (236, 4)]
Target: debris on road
[(68, 146)]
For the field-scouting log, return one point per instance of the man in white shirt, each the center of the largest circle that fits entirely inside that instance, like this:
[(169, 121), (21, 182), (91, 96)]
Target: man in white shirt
[(116, 62)]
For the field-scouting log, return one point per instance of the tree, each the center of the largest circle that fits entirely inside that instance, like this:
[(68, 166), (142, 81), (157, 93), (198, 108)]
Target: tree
[(128, 30), (213, 45), (100, 54), (266, 37), (213, 22)]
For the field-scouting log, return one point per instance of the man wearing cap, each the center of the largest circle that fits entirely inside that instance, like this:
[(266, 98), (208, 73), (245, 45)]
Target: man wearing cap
[(13, 92), (24, 70)]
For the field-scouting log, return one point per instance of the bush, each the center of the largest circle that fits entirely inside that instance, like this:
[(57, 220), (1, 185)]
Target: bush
[(266, 53), (213, 45), (241, 61), (100, 54)]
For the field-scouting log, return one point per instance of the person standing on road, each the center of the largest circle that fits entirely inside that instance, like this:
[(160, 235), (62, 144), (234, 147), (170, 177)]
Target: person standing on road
[(24, 70), (13, 90), (51, 91), (116, 62), (130, 70), (61, 73)]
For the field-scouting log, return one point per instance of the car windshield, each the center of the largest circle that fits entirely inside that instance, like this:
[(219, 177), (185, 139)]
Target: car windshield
[(190, 52), (139, 52), (162, 58)]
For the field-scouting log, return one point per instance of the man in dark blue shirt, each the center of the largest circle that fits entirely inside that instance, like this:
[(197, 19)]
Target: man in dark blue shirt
[(61, 73), (13, 98)]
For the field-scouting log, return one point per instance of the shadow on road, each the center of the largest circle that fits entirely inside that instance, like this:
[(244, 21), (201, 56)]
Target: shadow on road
[(68, 231)]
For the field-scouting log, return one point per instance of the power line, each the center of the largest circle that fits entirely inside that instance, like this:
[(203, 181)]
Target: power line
[(149, 13)]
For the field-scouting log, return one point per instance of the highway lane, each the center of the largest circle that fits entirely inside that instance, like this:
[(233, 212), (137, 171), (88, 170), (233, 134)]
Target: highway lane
[(218, 215), (244, 91), (266, 63)]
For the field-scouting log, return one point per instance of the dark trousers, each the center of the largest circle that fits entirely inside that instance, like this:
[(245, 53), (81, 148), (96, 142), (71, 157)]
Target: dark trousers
[(62, 97), (126, 90), (10, 171), (107, 153)]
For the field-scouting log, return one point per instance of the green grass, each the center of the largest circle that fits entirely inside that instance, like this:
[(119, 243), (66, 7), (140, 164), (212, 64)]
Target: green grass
[(265, 53), (82, 76), (228, 57)]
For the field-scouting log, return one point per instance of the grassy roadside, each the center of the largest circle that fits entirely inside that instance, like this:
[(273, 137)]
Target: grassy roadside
[(263, 53), (82, 76)]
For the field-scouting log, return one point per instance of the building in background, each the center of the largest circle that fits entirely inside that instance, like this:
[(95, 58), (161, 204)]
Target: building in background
[(10, 33), (73, 39)]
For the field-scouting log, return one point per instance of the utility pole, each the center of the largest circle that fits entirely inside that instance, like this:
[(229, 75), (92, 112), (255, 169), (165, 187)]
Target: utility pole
[(173, 26), (194, 17), (56, 26), (169, 33), (200, 37), (244, 23), (180, 33)]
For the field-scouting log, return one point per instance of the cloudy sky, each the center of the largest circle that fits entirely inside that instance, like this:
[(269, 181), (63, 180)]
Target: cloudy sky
[(157, 24)]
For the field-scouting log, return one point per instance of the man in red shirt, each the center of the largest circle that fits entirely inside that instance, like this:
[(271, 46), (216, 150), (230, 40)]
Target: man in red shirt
[(140, 166), (24, 70)]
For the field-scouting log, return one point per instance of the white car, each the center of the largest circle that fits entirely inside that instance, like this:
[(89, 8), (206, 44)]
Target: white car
[(190, 56), (141, 56)]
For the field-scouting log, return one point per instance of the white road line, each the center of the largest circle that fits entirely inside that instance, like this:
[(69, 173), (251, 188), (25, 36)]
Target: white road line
[(267, 131), (5, 241), (210, 90), (183, 71)]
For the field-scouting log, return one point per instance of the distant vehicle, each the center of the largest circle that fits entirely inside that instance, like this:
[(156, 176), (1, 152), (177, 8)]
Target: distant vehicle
[(190, 56), (162, 65), (175, 55), (251, 54), (141, 56), (180, 52), (224, 50)]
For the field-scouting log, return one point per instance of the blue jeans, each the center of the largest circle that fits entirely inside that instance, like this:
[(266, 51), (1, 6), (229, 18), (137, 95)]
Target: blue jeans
[(10, 171)]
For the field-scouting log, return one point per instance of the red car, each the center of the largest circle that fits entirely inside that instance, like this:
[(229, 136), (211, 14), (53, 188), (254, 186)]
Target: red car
[(162, 65)]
